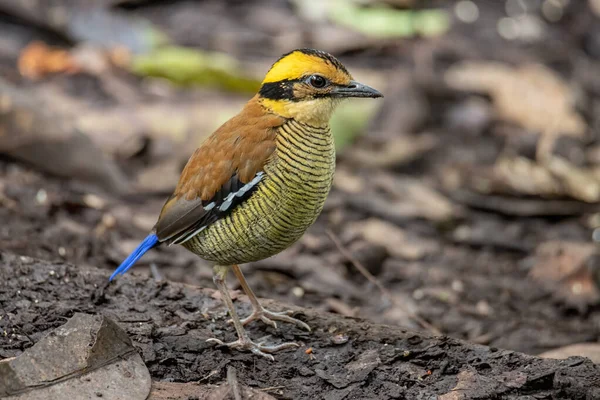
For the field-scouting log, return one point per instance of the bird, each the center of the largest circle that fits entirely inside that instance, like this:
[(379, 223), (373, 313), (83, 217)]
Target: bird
[(257, 183)]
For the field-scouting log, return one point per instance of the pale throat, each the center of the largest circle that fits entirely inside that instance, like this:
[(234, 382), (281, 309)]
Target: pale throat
[(316, 112)]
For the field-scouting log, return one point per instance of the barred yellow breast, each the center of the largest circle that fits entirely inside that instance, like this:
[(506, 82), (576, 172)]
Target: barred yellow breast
[(259, 181), (285, 204)]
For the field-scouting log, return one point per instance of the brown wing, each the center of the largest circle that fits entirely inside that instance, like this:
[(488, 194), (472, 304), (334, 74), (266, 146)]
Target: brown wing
[(220, 174)]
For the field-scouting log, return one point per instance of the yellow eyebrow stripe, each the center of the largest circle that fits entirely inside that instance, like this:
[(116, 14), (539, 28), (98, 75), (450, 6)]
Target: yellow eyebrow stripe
[(297, 65)]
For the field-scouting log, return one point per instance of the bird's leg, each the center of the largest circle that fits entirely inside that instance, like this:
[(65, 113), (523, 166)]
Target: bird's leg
[(243, 342), (258, 312)]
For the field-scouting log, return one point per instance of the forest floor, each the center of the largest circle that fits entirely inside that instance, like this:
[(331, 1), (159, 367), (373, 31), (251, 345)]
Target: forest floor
[(473, 208)]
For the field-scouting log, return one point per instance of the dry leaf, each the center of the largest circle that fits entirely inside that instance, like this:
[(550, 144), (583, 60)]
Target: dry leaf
[(470, 382), (589, 350), (552, 177), (393, 238), (415, 198), (525, 176), (579, 183), (347, 182), (88, 357), (532, 96), (193, 390), (32, 126), (38, 60), (396, 152), (565, 265), (341, 307)]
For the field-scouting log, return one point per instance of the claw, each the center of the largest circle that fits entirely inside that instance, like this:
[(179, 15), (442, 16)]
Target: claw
[(269, 318), (263, 319), (259, 349)]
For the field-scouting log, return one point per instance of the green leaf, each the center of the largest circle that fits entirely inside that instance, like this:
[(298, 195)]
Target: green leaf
[(385, 22), (350, 121), (189, 67)]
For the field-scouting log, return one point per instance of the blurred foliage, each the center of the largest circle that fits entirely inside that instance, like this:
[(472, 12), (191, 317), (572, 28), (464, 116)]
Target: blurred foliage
[(186, 67), (103, 28), (531, 95), (383, 21), (350, 120), (377, 20)]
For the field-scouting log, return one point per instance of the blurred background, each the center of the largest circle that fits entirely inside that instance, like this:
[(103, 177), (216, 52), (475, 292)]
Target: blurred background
[(470, 192)]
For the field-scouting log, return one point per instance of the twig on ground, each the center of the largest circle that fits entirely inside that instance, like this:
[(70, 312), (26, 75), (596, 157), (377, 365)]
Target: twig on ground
[(233, 382)]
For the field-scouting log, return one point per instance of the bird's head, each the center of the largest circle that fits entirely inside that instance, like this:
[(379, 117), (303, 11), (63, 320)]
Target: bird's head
[(307, 85)]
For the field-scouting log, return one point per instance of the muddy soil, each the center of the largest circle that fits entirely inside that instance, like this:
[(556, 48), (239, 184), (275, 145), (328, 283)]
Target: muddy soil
[(348, 358), (462, 263)]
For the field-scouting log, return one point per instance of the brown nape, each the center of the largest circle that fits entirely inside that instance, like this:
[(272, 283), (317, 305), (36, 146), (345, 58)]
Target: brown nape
[(252, 131)]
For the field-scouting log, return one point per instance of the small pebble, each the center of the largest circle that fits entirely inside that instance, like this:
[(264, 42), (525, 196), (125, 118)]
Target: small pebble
[(418, 294), (339, 339), (93, 201), (298, 292), (41, 197), (483, 307), (458, 286)]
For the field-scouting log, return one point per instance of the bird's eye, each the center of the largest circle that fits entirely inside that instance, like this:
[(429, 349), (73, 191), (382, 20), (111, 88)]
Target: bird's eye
[(317, 81)]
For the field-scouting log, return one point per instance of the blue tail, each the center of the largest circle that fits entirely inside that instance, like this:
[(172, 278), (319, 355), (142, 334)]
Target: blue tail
[(148, 243)]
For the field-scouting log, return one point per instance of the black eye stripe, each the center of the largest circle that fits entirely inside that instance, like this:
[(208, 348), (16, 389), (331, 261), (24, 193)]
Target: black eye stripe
[(278, 90), (284, 89)]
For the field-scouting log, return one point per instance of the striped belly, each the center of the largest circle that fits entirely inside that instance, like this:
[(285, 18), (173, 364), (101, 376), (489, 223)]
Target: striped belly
[(286, 202)]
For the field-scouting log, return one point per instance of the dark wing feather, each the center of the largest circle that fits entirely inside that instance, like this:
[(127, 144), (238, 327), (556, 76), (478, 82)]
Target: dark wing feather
[(221, 174), (186, 218), (180, 217)]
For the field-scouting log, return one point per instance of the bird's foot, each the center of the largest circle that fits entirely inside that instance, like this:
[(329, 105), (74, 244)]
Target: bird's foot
[(269, 318), (244, 343)]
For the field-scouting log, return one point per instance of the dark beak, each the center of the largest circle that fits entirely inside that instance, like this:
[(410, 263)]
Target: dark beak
[(355, 89)]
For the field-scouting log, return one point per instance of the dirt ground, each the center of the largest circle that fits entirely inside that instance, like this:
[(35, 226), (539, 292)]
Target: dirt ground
[(475, 213), (349, 358)]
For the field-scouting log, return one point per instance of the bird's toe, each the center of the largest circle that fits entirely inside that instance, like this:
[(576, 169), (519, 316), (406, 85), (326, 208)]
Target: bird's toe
[(262, 349)]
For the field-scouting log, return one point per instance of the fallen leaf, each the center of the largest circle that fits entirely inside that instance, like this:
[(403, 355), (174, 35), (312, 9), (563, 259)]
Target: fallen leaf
[(589, 350), (470, 383), (341, 308), (35, 133), (402, 311), (38, 60), (564, 265), (551, 177), (396, 241), (416, 198), (344, 180), (579, 183), (523, 176), (192, 390), (89, 345), (532, 96), (396, 152)]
